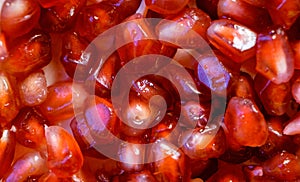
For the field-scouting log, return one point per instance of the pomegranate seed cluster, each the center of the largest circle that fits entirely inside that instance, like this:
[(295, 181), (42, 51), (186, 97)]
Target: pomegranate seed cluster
[(238, 103)]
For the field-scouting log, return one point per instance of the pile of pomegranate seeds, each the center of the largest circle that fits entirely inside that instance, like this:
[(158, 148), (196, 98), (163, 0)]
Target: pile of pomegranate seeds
[(49, 64)]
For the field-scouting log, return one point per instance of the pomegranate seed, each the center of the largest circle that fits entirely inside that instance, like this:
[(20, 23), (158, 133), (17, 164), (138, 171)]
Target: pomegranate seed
[(276, 141), (258, 3), (274, 97), (166, 7), (296, 47), (9, 104), (131, 156), (292, 128), (203, 145), (250, 16), (18, 17), (184, 29), (64, 155), (203, 168), (101, 119), (75, 57), (212, 74), (170, 162), (284, 12), (33, 89), (29, 53), (134, 31), (61, 100), (233, 39), (61, 17), (195, 114), (141, 176), (95, 19), (30, 164), (51, 3), (244, 123), (283, 166), (296, 90), (274, 57), (3, 47), (242, 86), (253, 173), (7, 150), (106, 75)]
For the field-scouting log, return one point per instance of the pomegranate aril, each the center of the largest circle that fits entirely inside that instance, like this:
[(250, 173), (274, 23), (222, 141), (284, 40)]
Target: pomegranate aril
[(142, 41), (29, 53), (283, 166), (62, 99), (242, 86), (33, 89), (141, 176), (9, 102), (274, 97), (19, 17), (296, 47), (203, 145), (293, 125), (195, 114), (244, 124), (64, 155), (250, 16), (7, 150), (131, 156), (233, 39), (30, 129), (75, 58), (105, 76), (170, 162), (51, 3), (276, 141), (166, 7), (101, 119), (184, 29), (30, 164), (203, 168), (96, 18), (212, 74), (284, 12), (126, 7), (3, 47), (61, 17), (258, 3), (274, 56)]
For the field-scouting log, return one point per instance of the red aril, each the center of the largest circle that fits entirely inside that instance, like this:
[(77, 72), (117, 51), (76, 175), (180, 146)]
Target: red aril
[(274, 97), (141, 176), (244, 124), (51, 3), (64, 155), (3, 47), (28, 53), (18, 17), (185, 28), (30, 129), (283, 166), (33, 89), (166, 7), (209, 6), (242, 86), (293, 125), (274, 56), (75, 58), (61, 17), (258, 3), (284, 12), (9, 103), (296, 90), (228, 172), (170, 164), (203, 145), (101, 120), (296, 47), (7, 150), (233, 39), (30, 164), (195, 114), (244, 13)]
